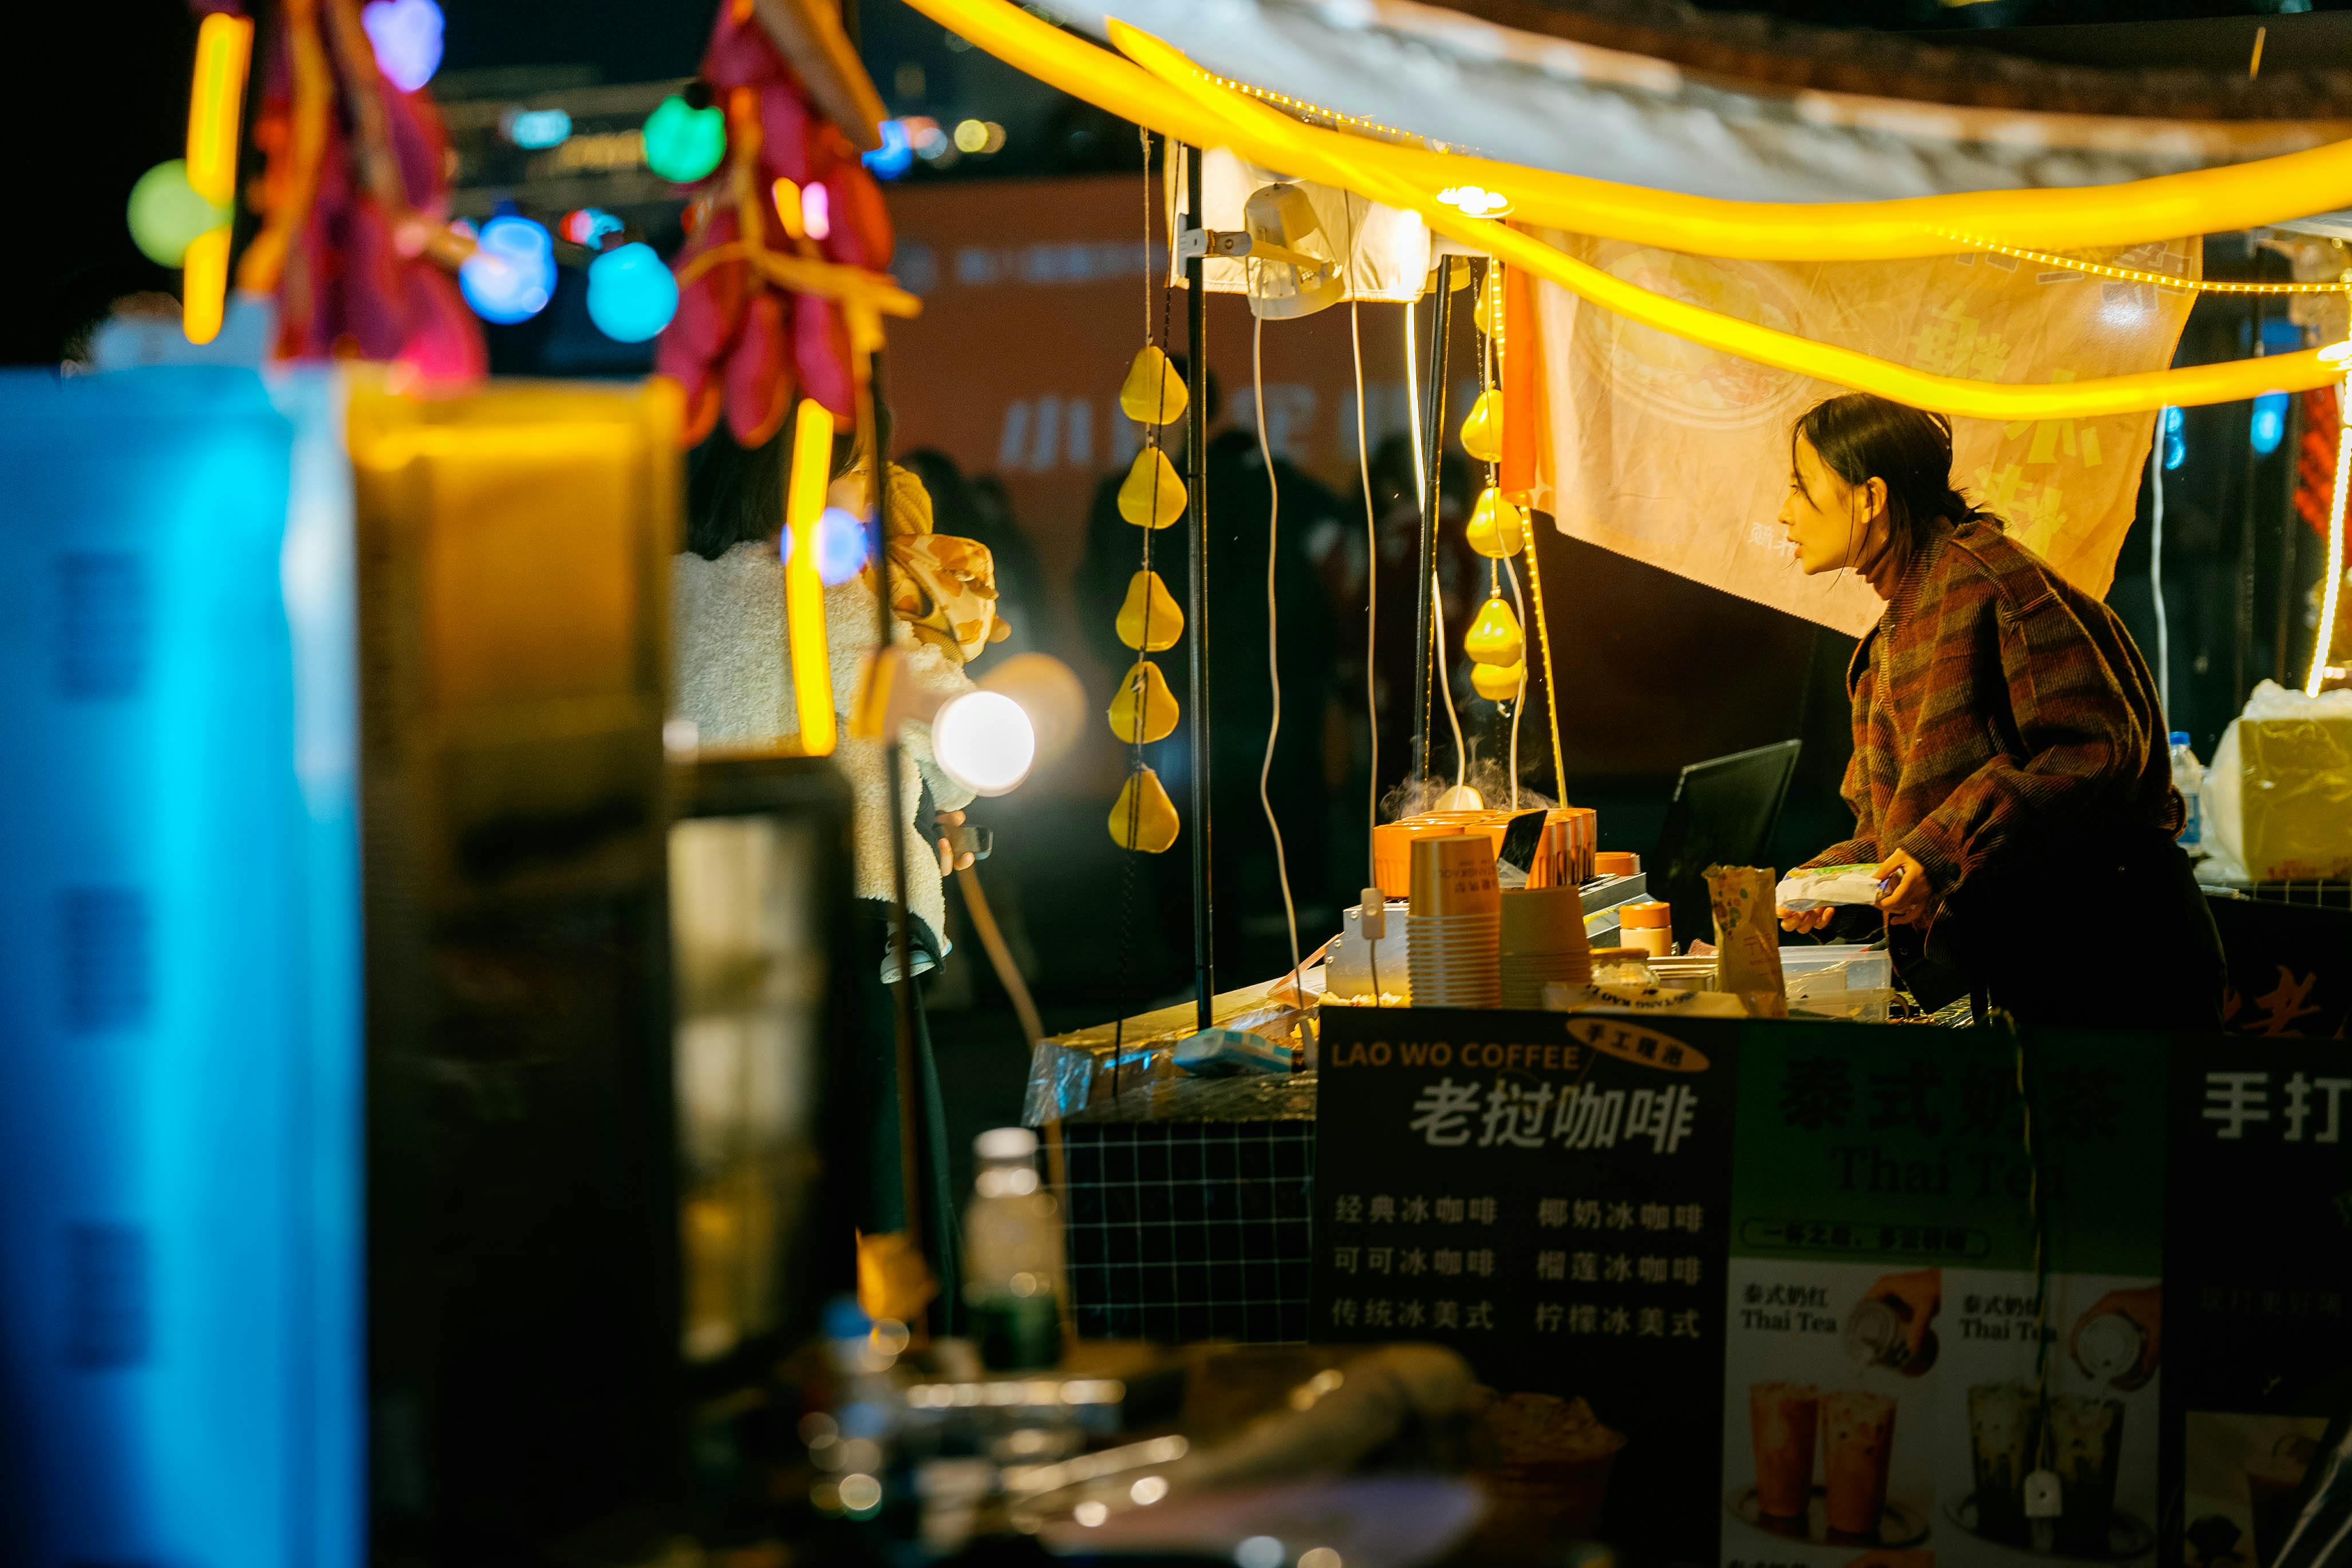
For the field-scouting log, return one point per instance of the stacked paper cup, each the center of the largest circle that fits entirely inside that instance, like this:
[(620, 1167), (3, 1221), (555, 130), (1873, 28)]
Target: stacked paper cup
[(1455, 923), (1542, 942)]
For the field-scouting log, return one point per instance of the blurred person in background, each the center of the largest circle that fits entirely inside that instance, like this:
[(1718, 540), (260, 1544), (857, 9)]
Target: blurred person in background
[(1020, 575), (980, 510), (733, 680)]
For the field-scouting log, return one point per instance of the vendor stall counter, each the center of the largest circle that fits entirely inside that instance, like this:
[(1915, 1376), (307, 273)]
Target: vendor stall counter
[(1854, 1230)]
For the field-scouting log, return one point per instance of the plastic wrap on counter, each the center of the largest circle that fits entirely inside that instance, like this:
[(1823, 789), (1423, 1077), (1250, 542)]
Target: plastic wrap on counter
[(1246, 1097), (1091, 1066)]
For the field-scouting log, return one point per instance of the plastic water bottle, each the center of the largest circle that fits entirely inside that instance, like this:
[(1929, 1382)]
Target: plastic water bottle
[(1013, 1255), (2189, 777)]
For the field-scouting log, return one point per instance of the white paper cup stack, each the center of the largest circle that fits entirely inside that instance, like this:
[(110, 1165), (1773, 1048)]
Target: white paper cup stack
[(1456, 923), (1542, 943)]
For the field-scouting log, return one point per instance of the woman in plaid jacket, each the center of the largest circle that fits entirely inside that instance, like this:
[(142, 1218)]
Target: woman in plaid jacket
[(2010, 778)]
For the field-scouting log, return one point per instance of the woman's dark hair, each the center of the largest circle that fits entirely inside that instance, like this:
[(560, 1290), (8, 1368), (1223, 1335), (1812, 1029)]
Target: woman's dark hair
[(736, 495), (1861, 438)]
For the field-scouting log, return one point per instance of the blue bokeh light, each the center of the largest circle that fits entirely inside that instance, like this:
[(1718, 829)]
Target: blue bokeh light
[(539, 128), (840, 546), (510, 276), (631, 294), (2268, 426), (896, 154), (406, 36), (2176, 444)]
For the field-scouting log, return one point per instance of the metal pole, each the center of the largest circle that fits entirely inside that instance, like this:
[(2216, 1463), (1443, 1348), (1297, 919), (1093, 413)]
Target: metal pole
[(1433, 442), (1196, 489), (874, 411)]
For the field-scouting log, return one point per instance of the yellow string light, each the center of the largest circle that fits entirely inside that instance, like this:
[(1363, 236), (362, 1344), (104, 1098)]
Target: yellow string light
[(2160, 280), (1175, 97), (1316, 111), (1268, 138), (2164, 207)]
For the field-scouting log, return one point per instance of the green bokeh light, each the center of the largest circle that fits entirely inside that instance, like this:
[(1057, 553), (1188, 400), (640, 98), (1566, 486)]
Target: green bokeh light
[(167, 213), (684, 143)]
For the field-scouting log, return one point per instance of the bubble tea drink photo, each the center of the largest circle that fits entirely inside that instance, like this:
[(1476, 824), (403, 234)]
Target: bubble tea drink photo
[(2004, 1430), (1784, 1421), (1861, 1436), (2086, 1437)]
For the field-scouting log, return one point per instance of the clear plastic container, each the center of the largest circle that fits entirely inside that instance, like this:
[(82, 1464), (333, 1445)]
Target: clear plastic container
[(1840, 979), (1835, 966), (1621, 966), (1354, 964)]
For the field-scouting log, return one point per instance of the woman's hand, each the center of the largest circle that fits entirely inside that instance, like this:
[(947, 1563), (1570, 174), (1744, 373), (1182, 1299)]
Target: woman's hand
[(949, 860), (1906, 903), (1812, 919)]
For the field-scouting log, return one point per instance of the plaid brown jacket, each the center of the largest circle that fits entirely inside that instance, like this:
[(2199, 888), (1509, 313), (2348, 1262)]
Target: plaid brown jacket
[(1995, 705)]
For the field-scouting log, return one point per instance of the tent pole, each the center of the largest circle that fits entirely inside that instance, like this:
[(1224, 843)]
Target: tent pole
[(1196, 490), (2241, 640), (1433, 442)]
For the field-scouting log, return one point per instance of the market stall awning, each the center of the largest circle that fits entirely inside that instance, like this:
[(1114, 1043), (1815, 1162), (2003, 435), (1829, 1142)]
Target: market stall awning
[(1738, 107)]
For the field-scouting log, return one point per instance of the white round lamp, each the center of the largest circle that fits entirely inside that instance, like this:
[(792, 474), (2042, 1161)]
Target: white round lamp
[(983, 741)]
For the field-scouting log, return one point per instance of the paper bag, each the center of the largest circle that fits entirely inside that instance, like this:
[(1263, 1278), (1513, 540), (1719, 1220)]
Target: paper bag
[(1747, 939)]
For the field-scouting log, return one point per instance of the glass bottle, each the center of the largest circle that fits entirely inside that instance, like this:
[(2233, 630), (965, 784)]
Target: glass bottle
[(1013, 1280)]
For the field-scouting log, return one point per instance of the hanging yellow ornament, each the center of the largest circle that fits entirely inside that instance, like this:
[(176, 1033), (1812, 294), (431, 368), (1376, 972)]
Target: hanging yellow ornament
[(1153, 393), (1152, 496), (1494, 638), (1494, 526), (1145, 710), (1149, 607), (1143, 816), (1485, 312), (1499, 682), (1482, 432)]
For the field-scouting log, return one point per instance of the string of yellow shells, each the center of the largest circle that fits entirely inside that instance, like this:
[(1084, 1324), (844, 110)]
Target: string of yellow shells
[(1149, 621), (1498, 649)]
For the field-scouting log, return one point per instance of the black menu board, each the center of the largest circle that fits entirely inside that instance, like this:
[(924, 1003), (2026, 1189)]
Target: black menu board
[(1550, 1196), (2258, 1307)]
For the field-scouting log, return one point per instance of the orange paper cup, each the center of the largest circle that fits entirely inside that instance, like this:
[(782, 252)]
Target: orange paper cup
[(1454, 875)]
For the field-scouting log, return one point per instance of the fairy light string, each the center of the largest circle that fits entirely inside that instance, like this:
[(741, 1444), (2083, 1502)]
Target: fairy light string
[(2331, 594), (2141, 274)]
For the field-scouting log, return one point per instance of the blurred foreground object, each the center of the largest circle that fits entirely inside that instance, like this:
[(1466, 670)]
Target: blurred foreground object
[(759, 894), (355, 242), (522, 1194), (781, 272), (180, 1321)]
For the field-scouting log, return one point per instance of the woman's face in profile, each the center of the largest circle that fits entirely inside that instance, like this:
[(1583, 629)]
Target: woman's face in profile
[(1819, 514)]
